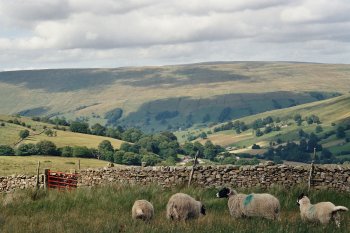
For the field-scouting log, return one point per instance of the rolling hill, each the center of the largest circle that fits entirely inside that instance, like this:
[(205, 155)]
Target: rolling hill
[(331, 112), (170, 97), (9, 134)]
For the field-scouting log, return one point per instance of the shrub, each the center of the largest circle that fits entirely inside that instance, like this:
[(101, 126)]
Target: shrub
[(23, 134), (66, 151), (6, 150), (82, 152), (150, 159), (26, 149), (46, 148), (255, 146), (2, 124), (130, 158)]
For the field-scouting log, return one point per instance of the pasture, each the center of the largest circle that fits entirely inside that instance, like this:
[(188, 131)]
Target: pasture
[(108, 209), (27, 165)]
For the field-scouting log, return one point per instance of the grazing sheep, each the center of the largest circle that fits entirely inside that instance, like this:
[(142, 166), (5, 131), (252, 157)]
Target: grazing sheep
[(142, 209), (321, 212), (253, 205), (183, 207)]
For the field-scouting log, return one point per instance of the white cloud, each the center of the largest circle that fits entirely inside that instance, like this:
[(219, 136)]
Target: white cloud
[(73, 33)]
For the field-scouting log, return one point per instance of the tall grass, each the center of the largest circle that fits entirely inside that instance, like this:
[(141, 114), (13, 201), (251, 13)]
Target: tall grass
[(108, 209)]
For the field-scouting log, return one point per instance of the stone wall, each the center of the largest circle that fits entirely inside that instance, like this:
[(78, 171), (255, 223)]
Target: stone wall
[(10, 183), (325, 177)]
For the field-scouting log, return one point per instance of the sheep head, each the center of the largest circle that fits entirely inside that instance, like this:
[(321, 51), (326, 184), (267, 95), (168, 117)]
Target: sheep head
[(302, 199), (225, 192)]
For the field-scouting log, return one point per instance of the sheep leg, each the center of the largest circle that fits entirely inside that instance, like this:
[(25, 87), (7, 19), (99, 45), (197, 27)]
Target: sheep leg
[(336, 217)]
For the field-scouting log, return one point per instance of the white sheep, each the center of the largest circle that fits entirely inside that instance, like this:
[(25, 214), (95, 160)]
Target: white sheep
[(321, 212), (253, 205), (142, 209), (184, 207)]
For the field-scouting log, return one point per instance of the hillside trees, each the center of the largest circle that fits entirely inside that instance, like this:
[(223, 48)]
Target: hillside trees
[(23, 134), (6, 150), (79, 127)]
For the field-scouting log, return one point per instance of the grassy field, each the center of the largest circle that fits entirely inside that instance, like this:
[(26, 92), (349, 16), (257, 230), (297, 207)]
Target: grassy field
[(108, 209), (15, 165), (9, 135)]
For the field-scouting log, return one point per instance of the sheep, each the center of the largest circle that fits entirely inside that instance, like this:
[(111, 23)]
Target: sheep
[(321, 212), (253, 205), (184, 207), (142, 209)]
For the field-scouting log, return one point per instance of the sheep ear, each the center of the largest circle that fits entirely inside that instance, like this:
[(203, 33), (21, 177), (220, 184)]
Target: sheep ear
[(301, 196)]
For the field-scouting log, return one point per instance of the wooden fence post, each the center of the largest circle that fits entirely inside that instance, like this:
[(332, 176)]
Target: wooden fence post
[(37, 176), (192, 171), (46, 173), (311, 171)]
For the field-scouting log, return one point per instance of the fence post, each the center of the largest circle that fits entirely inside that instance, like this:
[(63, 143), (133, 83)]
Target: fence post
[(46, 174), (37, 175), (311, 171), (192, 171), (79, 164)]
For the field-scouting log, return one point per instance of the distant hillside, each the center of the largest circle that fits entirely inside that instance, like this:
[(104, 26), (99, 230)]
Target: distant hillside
[(9, 134), (332, 113), (170, 97)]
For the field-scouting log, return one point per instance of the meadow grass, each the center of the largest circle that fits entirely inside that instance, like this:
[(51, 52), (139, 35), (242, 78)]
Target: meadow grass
[(14, 165), (108, 209)]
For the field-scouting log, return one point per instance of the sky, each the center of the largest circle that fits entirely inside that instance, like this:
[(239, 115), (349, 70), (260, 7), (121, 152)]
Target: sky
[(37, 34)]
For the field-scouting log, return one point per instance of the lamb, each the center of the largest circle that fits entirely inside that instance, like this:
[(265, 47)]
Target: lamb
[(321, 212), (142, 209), (253, 205), (184, 207)]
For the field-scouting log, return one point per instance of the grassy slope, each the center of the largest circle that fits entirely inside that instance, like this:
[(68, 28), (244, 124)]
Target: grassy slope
[(10, 165), (334, 110), (9, 135), (108, 209), (100, 90)]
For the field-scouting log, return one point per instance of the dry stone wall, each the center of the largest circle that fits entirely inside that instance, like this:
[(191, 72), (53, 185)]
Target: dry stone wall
[(15, 182), (264, 176), (325, 177)]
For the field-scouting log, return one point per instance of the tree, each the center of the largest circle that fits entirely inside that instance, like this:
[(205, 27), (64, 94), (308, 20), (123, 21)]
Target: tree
[(79, 127), (258, 133), (318, 129), (150, 159), (98, 129), (46, 148), (106, 150), (67, 151), (118, 156), (203, 135), (23, 134), (26, 149), (130, 158), (340, 132), (49, 132), (82, 152), (6, 150), (255, 146)]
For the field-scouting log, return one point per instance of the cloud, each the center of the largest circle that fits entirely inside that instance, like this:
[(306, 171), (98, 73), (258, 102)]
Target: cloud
[(58, 33)]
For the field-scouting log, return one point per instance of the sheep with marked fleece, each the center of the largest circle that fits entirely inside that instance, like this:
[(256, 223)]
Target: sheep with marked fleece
[(322, 212), (184, 207), (253, 205), (142, 209)]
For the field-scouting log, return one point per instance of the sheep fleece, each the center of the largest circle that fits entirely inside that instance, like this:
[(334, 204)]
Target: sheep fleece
[(263, 205), (182, 207), (142, 209)]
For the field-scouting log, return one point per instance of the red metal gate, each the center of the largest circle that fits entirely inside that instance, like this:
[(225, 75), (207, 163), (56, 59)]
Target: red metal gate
[(61, 181)]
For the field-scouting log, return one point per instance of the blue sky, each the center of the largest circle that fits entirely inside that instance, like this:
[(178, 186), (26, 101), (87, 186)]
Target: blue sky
[(37, 34)]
